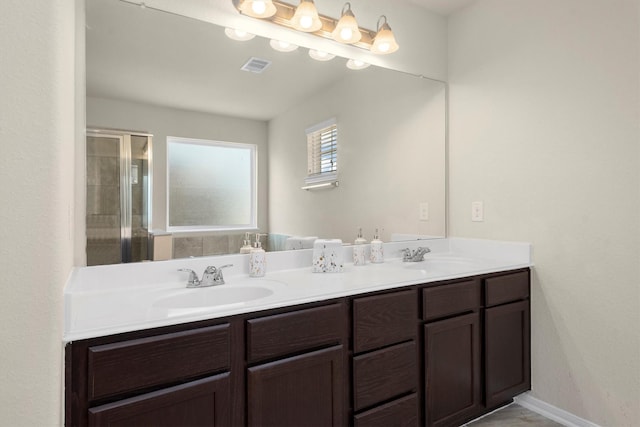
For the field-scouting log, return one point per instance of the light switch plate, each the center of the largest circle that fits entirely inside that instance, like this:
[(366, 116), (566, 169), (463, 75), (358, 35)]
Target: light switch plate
[(477, 212)]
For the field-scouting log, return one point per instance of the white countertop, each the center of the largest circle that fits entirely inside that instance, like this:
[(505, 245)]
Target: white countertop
[(106, 300)]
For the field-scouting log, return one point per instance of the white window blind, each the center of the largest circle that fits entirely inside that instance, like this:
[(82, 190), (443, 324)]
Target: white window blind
[(322, 152)]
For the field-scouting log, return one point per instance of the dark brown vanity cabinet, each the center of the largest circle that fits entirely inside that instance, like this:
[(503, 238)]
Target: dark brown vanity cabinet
[(507, 329), (438, 354), (297, 373), (476, 345), (178, 378), (452, 352), (385, 360)]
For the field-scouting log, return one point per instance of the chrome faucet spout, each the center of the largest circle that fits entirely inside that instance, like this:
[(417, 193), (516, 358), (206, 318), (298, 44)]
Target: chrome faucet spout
[(414, 256), (212, 276)]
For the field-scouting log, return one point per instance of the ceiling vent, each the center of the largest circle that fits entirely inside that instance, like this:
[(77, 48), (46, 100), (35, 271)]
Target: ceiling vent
[(256, 65)]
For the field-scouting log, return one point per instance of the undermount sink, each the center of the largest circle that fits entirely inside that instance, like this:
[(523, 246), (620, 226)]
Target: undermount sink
[(190, 300), (445, 265)]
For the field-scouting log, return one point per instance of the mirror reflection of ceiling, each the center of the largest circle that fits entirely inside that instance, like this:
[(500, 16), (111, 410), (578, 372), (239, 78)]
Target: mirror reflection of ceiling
[(145, 49)]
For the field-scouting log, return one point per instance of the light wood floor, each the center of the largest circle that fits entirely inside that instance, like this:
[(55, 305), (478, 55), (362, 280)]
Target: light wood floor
[(513, 416)]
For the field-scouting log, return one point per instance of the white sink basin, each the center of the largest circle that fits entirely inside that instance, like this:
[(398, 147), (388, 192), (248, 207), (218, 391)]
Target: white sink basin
[(194, 300)]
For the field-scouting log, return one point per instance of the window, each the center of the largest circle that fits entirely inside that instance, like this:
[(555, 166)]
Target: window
[(211, 185), (322, 152)]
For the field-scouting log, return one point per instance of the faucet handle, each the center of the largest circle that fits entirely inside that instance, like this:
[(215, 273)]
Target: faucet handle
[(193, 276), (218, 274)]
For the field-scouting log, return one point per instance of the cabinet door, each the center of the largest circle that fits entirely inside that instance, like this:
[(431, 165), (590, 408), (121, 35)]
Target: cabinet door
[(452, 369), (198, 403), (305, 390), (507, 352)]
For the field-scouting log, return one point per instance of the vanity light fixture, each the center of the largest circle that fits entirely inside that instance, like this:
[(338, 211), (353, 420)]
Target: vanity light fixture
[(347, 30), (282, 46), (356, 64), (239, 35), (384, 41), (320, 55), (306, 17), (258, 8)]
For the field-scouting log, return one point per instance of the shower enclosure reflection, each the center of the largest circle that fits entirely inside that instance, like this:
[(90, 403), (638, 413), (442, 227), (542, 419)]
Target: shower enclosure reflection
[(118, 191)]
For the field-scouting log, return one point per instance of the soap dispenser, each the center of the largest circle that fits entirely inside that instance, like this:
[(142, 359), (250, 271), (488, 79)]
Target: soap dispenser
[(377, 249), (246, 244), (359, 249), (257, 259)]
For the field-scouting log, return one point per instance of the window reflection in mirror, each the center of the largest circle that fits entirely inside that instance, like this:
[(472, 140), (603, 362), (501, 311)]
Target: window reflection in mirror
[(212, 185)]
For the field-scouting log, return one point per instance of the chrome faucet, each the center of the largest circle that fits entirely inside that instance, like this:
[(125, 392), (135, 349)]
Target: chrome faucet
[(414, 256), (212, 276)]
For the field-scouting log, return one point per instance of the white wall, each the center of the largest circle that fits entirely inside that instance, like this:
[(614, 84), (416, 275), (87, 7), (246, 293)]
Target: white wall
[(37, 45), (544, 130), (163, 122), (391, 157)]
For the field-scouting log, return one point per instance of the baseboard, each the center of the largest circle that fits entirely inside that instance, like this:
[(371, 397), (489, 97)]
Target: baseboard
[(549, 411)]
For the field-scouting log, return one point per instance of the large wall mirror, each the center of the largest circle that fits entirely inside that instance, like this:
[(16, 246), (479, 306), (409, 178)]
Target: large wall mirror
[(158, 73)]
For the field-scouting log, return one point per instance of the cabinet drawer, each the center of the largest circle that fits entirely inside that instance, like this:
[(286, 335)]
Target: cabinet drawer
[(502, 289), (197, 403), (147, 362), (401, 413), (384, 374), (287, 333), (384, 319), (448, 300)]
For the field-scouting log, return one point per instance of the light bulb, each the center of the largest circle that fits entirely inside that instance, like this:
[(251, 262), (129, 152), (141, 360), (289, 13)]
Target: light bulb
[(384, 42), (282, 46), (356, 64), (239, 35), (347, 30), (346, 33), (306, 17), (320, 55), (306, 21), (259, 7)]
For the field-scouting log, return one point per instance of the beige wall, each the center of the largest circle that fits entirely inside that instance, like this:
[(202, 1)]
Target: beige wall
[(37, 40), (544, 130), (163, 122), (391, 157)]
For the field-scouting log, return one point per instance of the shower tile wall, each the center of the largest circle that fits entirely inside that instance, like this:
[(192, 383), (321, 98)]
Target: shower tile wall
[(220, 244), (103, 201)]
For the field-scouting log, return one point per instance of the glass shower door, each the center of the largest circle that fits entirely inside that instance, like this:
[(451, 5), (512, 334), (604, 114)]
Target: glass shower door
[(118, 184)]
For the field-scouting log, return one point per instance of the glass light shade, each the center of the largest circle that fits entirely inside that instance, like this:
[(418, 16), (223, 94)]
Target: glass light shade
[(239, 35), (320, 55), (347, 30), (355, 64), (258, 8), (282, 46), (384, 41), (306, 17)]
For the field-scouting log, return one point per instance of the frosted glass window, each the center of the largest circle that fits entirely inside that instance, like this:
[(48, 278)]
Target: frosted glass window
[(211, 185)]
